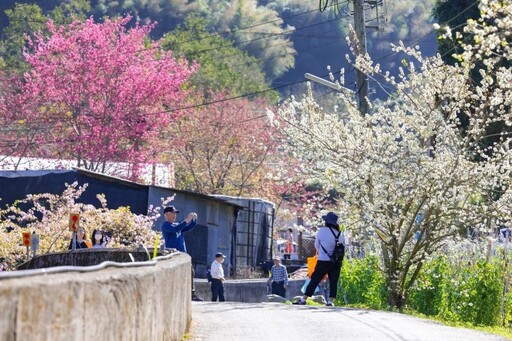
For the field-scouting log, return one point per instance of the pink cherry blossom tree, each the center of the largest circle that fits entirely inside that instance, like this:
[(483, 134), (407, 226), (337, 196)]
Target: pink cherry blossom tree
[(17, 133), (98, 92), (223, 148)]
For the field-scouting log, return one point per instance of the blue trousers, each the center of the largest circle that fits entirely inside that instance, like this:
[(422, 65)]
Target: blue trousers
[(217, 290)]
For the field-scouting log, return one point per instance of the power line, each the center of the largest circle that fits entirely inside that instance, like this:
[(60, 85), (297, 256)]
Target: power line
[(193, 30), (431, 31), (75, 140), (304, 27), (252, 94), (266, 37), (170, 110), (241, 52), (276, 87), (210, 35)]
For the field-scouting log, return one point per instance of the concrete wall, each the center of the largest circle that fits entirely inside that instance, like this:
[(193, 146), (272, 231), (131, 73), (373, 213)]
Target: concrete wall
[(247, 290), (135, 303), (87, 257)]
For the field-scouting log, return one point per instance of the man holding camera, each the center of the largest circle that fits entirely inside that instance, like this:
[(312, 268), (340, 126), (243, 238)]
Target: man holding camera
[(173, 235)]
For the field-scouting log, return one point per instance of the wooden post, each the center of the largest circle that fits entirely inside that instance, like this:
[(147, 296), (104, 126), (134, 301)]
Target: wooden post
[(299, 244)]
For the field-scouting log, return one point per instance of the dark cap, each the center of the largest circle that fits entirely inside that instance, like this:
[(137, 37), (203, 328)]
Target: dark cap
[(170, 209), (330, 218), (219, 255)]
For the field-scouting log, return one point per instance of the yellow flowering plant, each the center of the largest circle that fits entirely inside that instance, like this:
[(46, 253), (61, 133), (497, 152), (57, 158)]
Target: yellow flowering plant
[(48, 216)]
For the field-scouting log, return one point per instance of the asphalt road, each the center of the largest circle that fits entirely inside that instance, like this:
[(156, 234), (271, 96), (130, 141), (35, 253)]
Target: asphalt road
[(230, 321)]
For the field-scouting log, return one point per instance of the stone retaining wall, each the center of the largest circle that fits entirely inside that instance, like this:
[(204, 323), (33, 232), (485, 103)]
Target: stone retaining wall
[(88, 257), (135, 303), (248, 290)]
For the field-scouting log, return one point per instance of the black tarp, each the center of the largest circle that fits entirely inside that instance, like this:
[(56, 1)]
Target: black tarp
[(15, 185)]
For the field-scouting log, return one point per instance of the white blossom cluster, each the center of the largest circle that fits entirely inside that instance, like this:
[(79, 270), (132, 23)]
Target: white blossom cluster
[(48, 215), (409, 173)]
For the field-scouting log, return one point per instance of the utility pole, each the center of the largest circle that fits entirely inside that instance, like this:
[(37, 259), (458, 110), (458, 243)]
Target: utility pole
[(362, 80), (359, 38)]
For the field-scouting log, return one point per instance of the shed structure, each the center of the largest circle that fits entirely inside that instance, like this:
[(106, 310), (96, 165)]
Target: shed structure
[(240, 228)]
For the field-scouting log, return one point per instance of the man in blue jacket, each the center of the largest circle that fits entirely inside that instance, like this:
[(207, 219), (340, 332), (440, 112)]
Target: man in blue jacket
[(173, 235)]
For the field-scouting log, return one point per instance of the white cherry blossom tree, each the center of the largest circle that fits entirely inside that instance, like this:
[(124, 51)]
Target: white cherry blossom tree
[(411, 174)]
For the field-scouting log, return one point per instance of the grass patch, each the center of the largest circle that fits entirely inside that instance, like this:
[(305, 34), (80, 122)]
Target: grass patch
[(501, 331)]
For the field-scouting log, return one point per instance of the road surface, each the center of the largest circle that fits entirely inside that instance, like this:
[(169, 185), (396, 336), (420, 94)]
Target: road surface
[(236, 321)]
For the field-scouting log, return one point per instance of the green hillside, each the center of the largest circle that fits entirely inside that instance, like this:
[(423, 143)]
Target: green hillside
[(287, 38)]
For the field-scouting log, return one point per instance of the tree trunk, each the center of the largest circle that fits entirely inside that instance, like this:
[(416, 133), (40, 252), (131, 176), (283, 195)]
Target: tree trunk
[(396, 296), (396, 299)]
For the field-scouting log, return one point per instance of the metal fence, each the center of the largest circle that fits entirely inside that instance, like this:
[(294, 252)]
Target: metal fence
[(306, 246)]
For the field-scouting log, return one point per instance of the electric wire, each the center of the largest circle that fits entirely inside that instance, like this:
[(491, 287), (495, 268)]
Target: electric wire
[(430, 32), (206, 103)]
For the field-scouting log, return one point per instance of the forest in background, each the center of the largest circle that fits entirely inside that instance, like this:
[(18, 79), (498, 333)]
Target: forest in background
[(287, 38), (251, 54)]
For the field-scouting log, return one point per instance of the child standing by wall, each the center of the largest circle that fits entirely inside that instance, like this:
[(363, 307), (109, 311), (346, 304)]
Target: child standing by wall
[(218, 278)]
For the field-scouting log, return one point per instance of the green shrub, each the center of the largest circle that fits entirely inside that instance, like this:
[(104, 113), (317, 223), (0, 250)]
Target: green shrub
[(473, 293), (507, 311), (361, 282), (426, 296), (460, 287)]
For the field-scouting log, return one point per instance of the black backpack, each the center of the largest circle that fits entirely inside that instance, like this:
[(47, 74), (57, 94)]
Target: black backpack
[(209, 275), (339, 249)]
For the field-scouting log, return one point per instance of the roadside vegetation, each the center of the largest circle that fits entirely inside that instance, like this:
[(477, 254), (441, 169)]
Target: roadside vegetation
[(48, 216), (468, 285)]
